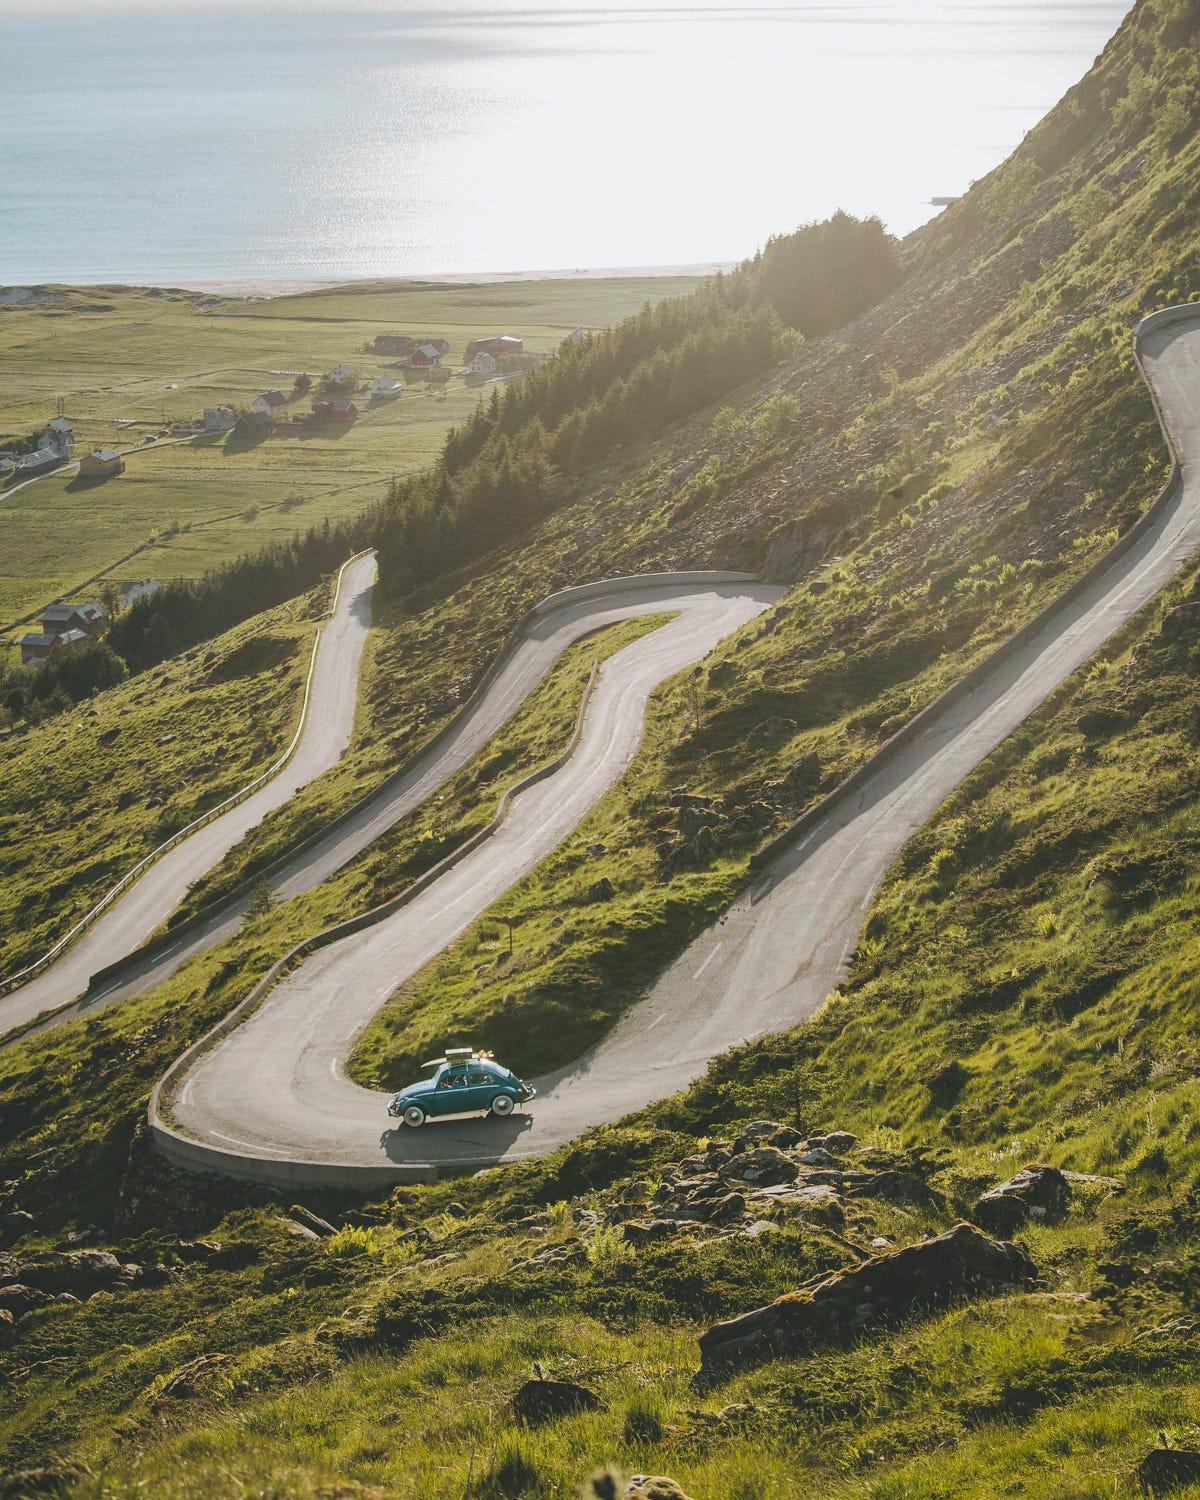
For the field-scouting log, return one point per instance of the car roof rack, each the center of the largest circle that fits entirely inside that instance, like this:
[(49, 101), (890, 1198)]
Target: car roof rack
[(458, 1055)]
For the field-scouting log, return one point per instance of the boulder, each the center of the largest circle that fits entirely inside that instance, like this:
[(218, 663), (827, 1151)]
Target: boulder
[(804, 772), (837, 1142), (762, 1165), (894, 1187), (1181, 623), (319, 1226), (1166, 1469), (80, 1271), (646, 1231), (879, 1291), (17, 1300), (1040, 1191), (233, 1255), (53, 1479), (540, 1401), (654, 1487), (14, 1224), (764, 1133), (818, 1202)]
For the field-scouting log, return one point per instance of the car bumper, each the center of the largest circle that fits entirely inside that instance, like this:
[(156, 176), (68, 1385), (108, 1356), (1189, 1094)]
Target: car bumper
[(527, 1092)]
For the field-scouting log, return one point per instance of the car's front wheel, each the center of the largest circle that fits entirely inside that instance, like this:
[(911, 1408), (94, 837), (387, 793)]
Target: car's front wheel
[(414, 1115), (502, 1105)]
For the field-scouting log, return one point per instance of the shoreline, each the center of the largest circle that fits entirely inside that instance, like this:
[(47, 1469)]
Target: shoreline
[(290, 286)]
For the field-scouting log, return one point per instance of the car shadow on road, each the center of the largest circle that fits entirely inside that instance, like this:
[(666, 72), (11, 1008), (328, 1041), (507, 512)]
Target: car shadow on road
[(468, 1140)]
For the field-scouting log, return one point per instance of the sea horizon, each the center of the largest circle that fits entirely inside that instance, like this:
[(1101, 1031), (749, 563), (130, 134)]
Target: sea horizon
[(290, 144)]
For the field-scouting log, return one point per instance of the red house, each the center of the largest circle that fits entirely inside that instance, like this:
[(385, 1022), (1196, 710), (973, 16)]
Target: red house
[(339, 410), (427, 357)]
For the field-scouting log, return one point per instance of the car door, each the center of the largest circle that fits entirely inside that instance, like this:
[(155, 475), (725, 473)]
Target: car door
[(482, 1089), (453, 1092)]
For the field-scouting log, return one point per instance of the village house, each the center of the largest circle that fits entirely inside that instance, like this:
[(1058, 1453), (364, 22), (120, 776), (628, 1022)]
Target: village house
[(59, 436), (60, 618), (393, 343), (340, 375), (219, 419), (271, 406), (55, 446), (498, 347), (102, 463), (385, 385), (62, 625), (36, 645), (144, 588), (340, 409), (482, 363), (577, 335), (427, 357)]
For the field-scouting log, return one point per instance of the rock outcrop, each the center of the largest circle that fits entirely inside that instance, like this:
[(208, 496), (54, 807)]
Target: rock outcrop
[(1164, 1470), (540, 1401), (880, 1291), (1039, 1192)]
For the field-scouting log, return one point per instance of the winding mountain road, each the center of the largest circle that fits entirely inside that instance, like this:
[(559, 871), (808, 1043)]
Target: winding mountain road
[(269, 1099), (153, 896), (556, 624)]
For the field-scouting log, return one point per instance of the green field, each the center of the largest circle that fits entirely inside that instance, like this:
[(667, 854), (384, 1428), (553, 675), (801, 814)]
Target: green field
[(147, 356)]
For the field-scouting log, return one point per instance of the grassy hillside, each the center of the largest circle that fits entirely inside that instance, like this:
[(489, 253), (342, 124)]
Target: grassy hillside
[(88, 794), (148, 354), (1023, 993)]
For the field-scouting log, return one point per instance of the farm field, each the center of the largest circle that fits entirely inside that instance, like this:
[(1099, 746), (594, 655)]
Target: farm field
[(150, 356)]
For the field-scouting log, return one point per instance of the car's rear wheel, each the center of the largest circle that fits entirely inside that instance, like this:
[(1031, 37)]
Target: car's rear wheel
[(414, 1115), (502, 1105)]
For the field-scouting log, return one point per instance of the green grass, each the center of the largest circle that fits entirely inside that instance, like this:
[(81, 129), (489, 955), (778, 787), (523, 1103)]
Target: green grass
[(89, 793), (116, 352), (1040, 936)]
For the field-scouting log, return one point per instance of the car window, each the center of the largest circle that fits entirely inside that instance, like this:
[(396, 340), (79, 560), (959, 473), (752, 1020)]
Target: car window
[(476, 1078)]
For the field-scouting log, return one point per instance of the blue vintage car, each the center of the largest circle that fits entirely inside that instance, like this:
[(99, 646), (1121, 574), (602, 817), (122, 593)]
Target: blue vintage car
[(464, 1082)]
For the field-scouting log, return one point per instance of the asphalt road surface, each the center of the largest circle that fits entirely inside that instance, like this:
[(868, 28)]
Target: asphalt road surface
[(272, 1095), (540, 646), (150, 900)]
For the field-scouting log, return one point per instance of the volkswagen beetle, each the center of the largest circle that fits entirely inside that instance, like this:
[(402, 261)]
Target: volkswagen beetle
[(463, 1082)]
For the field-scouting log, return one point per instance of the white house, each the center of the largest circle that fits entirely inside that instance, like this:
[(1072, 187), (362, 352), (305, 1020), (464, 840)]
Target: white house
[(577, 335), (220, 418), (59, 437), (271, 406), (56, 444), (341, 375), (143, 589), (386, 385), (482, 363)]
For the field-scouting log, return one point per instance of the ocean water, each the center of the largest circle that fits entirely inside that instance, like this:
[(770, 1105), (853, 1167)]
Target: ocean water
[(270, 140)]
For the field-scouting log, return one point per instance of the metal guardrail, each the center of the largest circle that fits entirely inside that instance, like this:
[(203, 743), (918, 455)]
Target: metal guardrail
[(13, 981)]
